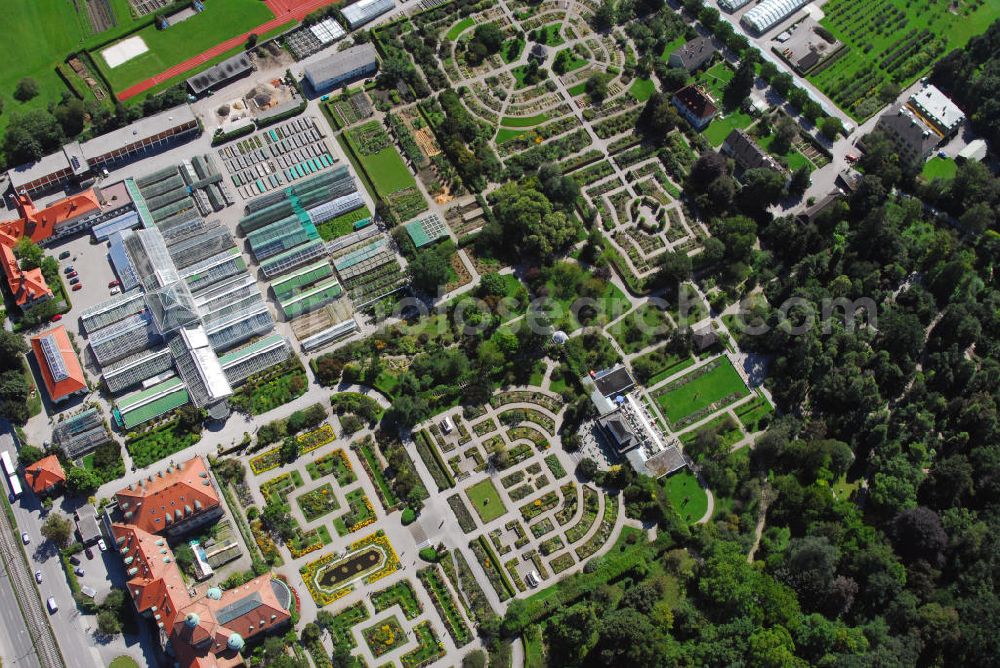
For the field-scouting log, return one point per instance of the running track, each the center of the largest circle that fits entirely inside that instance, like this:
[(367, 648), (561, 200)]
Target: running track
[(284, 11)]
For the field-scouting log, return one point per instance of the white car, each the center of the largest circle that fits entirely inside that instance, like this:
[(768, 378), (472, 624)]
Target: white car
[(102, 545), (38, 577), (25, 538), (115, 291), (53, 606)]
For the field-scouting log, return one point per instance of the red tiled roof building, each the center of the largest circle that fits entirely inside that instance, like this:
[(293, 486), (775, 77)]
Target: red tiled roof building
[(58, 363), (45, 475), (695, 105)]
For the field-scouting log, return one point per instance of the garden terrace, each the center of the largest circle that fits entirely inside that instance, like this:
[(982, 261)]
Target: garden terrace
[(360, 513), (700, 392), (445, 605), (400, 594), (384, 636), (318, 502)]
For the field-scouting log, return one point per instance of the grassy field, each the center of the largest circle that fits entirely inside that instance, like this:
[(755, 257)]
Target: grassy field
[(578, 89), (715, 78), (523, 121), (41, 33), (342, 224), (719, 129), (642, 89), (892, 41), (574, 62), (217, 23), (687, 495), (671, 47), (386, 169), (459, 27), (486, 500), (701, 392), (939, 168), (507, 134), (794, 159), (550, 34)]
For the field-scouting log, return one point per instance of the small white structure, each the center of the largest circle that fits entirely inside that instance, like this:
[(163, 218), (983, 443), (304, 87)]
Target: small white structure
[(770, 13), (974, 150), (559, 337), (447, 425), (364, 11)]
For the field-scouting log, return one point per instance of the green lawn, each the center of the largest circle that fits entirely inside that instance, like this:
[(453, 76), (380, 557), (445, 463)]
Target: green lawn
[(609, 299), (642, 89), (523, 121), (123, 662), (670, 47), (219, 22), (715, 78), (506, 134), (794, 159), (39, 34), (640, 328), (574, 62), (386, 169), (939, 168), (578, 89), (486, 500), (719, 129), (551, 34), (460, 27), (874, 32), (687, 495), (687, 398), (511, 49)]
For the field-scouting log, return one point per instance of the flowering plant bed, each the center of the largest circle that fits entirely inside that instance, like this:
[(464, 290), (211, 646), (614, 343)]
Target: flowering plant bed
[(532, 510), (562, 562), (360, 513), (266, 461), (314, 439), (401, 593), (268, 548), (385, 636), (318, 502), (278, 489), (445, 605), (429, 650), (306, 542), (570, 503), (335, 462)]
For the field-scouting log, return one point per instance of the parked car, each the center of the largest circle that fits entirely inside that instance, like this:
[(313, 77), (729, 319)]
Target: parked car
[(74, 281), (57, 317), (115, 291), (72, 274), (25, 538), (38, 577), (75, 560), (53, 606), (69, 270), (102, 545), (79, 571), (64, 255), (89, 592), (77, 287), (89, 552), (113, 284)]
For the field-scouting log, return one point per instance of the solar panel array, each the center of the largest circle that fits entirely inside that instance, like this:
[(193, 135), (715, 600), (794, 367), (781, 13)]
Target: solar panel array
[(53, 358)]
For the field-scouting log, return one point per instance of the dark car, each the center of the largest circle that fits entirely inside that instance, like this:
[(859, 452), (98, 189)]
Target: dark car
[(69, 270), (64, 255), (75, 560), (72, 274), (89, 552), (74, 281)]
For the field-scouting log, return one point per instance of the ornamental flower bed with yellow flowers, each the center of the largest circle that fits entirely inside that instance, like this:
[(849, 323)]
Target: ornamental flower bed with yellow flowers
[(266, 461), (311, 571), (385, 636), (316, 438), (268, 548)]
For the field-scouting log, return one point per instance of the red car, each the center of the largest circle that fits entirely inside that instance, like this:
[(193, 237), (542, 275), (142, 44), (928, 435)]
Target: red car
[(113, 284), (72, 274), (57, 317), (77, 287)]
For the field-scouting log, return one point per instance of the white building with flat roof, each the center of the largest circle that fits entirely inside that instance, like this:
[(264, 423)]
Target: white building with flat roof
[(937, 109), (770, 13), (364, 11)]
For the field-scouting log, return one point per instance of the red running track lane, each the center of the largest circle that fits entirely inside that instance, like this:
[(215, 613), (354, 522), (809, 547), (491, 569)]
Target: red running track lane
[(284, 11)]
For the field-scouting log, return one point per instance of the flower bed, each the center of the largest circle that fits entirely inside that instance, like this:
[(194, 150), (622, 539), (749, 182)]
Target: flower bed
[(562, 562), (551, 545), (314, 439), (570, 502), (515, 416), (445, 605), (521, 492), (532, 510), (492, 567), (268, 548), (324, 596), (542, 527), (511, 566), (591, 504), (385, 636), (526, 397), (280, 487), (360, 513), (400, 593), (428, 650), (530, 433), (462, 513), (304, 543), (603, 532), (335, 462), (509, 481), (339, 626), (318, 502), (266, 461), (555, 466)]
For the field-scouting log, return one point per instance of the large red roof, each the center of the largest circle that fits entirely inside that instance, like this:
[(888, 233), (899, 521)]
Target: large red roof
[(170, 496), (45, 474), (64, 381)]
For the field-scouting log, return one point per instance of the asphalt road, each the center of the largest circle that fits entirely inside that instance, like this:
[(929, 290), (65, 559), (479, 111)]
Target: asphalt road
[(16, 647)]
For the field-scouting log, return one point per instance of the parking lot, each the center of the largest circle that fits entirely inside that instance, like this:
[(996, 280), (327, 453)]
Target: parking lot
[(277, 156)]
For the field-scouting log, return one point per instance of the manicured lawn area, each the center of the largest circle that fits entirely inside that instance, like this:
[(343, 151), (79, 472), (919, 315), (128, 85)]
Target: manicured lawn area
[(573, 60), (794, 159), (160, 443), (550, 34), (876, 32), (219, 22), (642, 89), (939, 168), (459, 27), (506, 134), (719, 129), (578, 89), (687, 495), (342, 224), (715, 78), (671, 47), (511, 49), (384, 166), (687, 397), (523, 121), (486, 500), (123, 662)]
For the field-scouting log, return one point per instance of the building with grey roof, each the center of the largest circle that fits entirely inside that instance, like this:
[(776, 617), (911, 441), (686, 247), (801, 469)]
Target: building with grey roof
[(228, 70), (914, 139), (937, 110), (693, 55), (747, 154), (342, 67), (362, 12)]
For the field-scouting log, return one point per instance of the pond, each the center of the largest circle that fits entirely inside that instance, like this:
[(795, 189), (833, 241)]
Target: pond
[(337, 573)]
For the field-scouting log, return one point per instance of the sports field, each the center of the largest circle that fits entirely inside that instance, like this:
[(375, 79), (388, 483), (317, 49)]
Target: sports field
[(684, 398), (892, 42), (219, 22)]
